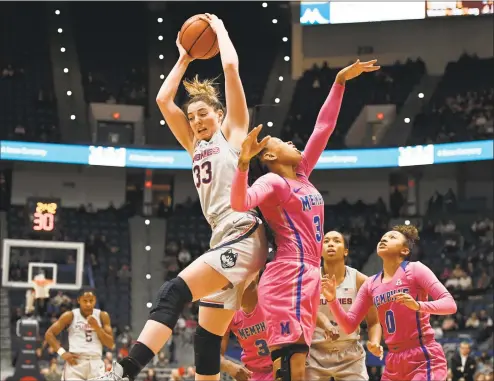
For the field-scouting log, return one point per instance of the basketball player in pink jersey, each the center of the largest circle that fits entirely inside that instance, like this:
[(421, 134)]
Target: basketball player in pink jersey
[(400, 293), (294, 209), (248, 325), (89, 329), (334, 353)]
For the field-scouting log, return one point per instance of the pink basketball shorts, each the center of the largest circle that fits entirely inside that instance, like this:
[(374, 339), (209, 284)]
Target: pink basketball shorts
[(289, 297), (423, 363)]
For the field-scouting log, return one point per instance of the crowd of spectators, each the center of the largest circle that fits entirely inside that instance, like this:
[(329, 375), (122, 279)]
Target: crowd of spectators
[(462, 108), (27, 102), (390, 85)]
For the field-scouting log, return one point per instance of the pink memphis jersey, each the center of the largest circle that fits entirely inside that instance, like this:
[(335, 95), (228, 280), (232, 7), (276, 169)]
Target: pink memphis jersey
[(250, 330), (401, 325), (293, 208)]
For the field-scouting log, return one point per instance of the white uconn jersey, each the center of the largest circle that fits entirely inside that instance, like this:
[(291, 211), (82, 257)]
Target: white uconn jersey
[(213, 167), (82, 338), (346, 293)]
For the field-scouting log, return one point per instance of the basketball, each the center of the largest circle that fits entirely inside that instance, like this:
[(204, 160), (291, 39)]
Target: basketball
[(198, 39)]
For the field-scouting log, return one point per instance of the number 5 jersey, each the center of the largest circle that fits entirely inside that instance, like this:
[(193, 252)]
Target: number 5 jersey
[(83, 338)]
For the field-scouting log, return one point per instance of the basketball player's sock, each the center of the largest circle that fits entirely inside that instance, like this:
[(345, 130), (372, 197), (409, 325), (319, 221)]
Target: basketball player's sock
[(139, 356)]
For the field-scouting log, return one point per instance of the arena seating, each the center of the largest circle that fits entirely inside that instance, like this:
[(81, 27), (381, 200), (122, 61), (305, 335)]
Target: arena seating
[(27, 103), (112, 51), (390, 85), (462, 107)]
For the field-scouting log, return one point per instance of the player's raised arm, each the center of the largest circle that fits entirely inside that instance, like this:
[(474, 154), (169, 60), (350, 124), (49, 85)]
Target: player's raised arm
[(174, 116), (328, 115), (236, 124), (443, 303), (105, 332), (51, 337), (243, 198), (350, 321)]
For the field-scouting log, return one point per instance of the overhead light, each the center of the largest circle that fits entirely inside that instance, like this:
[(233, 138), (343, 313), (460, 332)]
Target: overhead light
[(277, 100), (66, 70), (72, 117), (280, 78), (284, 39), (275, 21), (160, 20), (264, 5), (60, 30), (162, 122), (161, 56), (421, 95), (62, 49), (160, 38), (270, 124), (69, 93), (286, 58), (57, 12), (407, 120)]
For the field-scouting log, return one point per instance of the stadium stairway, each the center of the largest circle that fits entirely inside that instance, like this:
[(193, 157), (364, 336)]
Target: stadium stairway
[(398, 132), (145, 262), (268, 110), (72, 131)]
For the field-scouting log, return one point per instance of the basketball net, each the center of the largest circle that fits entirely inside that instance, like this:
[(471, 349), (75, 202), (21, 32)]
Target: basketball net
[(42, 287)]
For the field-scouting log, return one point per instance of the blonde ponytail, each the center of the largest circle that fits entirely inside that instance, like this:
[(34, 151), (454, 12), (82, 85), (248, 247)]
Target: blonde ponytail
[(197, 88)]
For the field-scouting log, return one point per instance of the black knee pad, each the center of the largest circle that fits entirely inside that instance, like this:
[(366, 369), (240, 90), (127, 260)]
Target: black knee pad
[(172, 297), (286, 353), (207, 348)]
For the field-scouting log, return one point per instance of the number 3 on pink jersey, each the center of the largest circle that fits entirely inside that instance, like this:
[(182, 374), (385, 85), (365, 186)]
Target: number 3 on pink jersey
[(317, 224), (262, 347)]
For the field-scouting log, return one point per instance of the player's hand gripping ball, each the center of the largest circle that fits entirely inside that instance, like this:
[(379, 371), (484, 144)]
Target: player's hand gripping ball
[(197, 37)]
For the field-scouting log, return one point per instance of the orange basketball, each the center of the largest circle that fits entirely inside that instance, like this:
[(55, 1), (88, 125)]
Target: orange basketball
[(198, 39)]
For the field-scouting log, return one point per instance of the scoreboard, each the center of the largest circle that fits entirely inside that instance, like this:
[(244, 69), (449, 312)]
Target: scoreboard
[(43, 215), (344, 12)]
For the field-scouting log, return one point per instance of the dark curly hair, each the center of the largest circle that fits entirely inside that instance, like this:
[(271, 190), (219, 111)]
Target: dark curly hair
[(410, 232)]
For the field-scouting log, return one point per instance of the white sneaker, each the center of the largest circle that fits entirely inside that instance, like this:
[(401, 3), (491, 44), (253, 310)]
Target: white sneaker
[(115, 374)]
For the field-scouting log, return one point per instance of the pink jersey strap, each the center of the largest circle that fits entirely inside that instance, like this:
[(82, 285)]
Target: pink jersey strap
[(443, 303), (268, 188), (349, 321), (325, 124)]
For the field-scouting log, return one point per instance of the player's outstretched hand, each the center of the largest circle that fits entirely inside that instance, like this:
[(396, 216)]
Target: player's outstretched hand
[(328, 287), (241, 373), (407, 300), (355, 69), (71, 358), (376, 349), (251, 147)]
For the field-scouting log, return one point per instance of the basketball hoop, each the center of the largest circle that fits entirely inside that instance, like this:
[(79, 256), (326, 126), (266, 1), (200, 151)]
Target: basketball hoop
[(42, 287)]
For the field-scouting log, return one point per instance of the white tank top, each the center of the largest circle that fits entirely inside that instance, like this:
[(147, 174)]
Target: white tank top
[(346, 292), (82, 338), (213, 166)]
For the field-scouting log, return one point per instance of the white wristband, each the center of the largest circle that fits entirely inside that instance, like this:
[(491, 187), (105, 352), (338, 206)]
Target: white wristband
[(61, 351)]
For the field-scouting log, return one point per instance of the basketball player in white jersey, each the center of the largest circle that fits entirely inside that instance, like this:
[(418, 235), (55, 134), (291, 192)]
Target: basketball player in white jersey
[(89, 329), (213, 139), (334, 354)]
